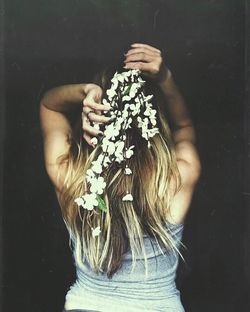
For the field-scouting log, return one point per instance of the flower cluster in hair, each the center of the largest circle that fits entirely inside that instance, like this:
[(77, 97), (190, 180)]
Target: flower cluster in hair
[(130, 106)]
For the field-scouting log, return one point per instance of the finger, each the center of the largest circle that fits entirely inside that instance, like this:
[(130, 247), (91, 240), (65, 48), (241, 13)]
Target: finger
[(141, 50), (93, 105), (95, 117), (98, 112), (85, 121), (141, 56), (95, 94), (88, 139), (152, 68), (91, 130), (142, 45)]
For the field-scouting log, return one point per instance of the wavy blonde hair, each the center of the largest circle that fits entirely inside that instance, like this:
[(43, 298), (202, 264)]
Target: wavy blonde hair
[(154, 181)]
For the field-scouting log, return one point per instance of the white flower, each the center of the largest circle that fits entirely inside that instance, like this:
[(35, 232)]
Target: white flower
[(148, 110), (111, 93), (111, 131), (90, 175), (145, 135), (96, 166), (96, 231), (96, 126), (90, 201), (128, 171), (135, 71), (104, 159), (129, 152), (126, 74), (119, 121), (143, 123), (126, 98), (120, 77), (149, 133), (94, 140), (135, 108), (153, 113), (113, 141), (108, 146), (125, 111), (105, 102), (140, 80), (115, 83), (97, 185), (152, 132), (128, 123), (147, 98), (79, 201), (119, 151), (124, 114), (134, 88), (112, 114), (127, 197), (153, 120)]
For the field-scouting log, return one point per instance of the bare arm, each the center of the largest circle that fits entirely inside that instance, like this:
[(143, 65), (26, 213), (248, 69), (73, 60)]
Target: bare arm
[(149, 60), (55, 125), (66, 97), (183, 132), (183, 125), (185, 147)]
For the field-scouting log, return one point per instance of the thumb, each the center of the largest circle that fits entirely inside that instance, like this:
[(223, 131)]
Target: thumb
[(96, 94)]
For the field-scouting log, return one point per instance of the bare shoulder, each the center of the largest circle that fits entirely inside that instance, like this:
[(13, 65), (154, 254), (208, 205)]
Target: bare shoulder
[(190, 169), (56, 131)]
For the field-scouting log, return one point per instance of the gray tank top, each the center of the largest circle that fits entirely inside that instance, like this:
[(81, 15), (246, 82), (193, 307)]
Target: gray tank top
[(131, 292)]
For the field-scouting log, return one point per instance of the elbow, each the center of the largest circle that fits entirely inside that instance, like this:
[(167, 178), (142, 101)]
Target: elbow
[(47, 98), (196, 169), (188, 154), (43, 99)]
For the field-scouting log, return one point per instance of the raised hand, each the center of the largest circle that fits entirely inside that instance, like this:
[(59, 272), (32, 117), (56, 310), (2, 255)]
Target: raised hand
[(148, 59), (92, 112)]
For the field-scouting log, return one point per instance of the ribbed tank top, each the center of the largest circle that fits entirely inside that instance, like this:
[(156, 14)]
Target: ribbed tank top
[(131, 292)]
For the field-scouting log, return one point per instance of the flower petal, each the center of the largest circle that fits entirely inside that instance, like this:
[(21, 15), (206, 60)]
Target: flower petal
[(96, 231), (127, 197)]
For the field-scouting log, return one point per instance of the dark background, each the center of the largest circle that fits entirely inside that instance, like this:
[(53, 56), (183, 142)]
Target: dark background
[(48, 43)]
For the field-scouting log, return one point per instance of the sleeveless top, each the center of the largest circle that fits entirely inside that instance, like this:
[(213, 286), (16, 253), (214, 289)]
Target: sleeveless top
[(131, 292)]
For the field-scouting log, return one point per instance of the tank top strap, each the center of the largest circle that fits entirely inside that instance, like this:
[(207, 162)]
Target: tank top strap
[(174, 225)]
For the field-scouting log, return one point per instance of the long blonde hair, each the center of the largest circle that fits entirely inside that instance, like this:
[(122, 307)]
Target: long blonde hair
[(124, 223)]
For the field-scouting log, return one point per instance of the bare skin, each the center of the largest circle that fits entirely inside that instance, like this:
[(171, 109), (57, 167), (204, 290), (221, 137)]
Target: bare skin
[(57, 131)]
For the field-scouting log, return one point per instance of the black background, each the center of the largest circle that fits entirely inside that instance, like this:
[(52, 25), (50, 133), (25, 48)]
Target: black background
[(48, 43)]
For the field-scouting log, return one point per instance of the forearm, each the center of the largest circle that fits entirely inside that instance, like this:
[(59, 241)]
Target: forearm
[(179, 115), (65, 97)]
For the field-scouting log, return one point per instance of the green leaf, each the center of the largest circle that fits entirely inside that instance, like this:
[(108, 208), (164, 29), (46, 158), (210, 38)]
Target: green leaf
[(101, 203), (128, 90)]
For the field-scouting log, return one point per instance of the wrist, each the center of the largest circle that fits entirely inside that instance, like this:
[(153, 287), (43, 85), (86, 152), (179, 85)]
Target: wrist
[(74, 93), (86, 87), (165, 78)]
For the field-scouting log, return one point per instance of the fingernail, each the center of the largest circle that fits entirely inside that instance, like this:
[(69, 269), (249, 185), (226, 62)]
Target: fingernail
[(94, 141), (100, 134), (110, 121)]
